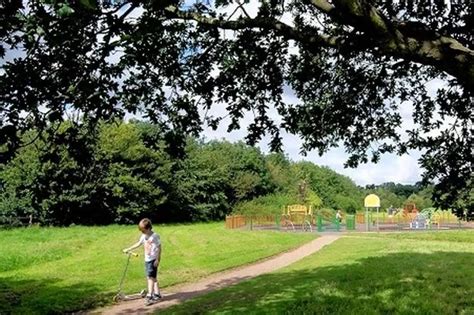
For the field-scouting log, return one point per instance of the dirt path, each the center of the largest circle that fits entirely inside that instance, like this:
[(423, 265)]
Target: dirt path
[(179, 293)]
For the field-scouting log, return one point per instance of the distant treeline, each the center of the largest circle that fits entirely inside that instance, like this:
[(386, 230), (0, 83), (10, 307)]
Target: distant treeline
[(123, 171)]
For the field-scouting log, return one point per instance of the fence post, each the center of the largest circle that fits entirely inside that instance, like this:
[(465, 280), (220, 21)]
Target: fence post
[(251, 223), (336, 221), (320, 224), (350, 222), (277, 221)]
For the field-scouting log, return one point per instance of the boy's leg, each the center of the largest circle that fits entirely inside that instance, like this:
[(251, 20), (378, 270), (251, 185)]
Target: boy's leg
[(150, 276), (156, 288), (149, 295), (151, 285), (151, 279)]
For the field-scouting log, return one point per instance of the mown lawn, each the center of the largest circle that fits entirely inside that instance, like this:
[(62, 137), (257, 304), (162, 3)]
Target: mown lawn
[(386, 274), (57, 270), (447, 235)]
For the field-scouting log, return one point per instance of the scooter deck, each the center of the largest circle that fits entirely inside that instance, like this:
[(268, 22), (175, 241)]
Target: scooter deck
[(129, 297)]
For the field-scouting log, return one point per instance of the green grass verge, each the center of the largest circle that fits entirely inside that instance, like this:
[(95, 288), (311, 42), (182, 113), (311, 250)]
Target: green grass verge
[(434, 235), (58, 270), (359, 275)]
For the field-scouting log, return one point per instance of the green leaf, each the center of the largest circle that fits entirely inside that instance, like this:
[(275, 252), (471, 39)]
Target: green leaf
[(65, 10), (89, 4), (40, 30)]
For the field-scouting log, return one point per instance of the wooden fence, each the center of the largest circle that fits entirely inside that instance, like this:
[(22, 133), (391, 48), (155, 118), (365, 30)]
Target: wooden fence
[(235, 221)]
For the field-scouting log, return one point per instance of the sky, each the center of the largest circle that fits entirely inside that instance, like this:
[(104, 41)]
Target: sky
[(391, 168)]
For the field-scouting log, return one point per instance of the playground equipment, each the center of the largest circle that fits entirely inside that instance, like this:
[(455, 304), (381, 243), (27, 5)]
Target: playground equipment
[(293, 218), (325, 224), (371, 201), (419, 222), (350, 222), (410, 208), (297, 215), (121, 296)]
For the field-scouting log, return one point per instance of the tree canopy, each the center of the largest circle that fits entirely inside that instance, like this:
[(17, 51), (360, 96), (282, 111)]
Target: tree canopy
[(351, 63), (119, 174)]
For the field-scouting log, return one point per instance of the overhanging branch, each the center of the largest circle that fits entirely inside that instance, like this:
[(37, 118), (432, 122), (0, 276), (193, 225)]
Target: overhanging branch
[(442, 52), (264, 23), (391, 37)]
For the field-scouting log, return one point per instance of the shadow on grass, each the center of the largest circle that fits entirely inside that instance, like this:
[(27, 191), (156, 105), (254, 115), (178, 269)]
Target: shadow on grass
[(400, 283), (47, 296)]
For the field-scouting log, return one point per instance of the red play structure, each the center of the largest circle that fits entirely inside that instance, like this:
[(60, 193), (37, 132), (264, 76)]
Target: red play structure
[(410, 208)]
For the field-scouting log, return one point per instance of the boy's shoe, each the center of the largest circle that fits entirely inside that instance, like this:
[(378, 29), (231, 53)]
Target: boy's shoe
[(156, 297), (149, 300)]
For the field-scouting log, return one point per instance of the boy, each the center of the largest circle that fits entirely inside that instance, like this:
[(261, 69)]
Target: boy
[(152, 244)]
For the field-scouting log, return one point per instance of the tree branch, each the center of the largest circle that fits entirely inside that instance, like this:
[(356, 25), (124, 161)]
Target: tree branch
[(404, 40), (322, 5), (390, 37), (265, 23)]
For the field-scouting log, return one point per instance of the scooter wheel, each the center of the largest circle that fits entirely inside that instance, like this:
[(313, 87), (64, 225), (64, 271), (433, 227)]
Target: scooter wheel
[(117, 298), (143, 293)]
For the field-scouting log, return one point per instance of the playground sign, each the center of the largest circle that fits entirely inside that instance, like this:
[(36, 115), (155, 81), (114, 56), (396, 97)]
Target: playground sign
[(372, 201)]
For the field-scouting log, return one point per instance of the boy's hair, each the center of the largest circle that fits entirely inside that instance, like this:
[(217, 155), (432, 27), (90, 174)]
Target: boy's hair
[(146, 223)]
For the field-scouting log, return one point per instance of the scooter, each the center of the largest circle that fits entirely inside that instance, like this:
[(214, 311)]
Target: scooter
[(121, 296)]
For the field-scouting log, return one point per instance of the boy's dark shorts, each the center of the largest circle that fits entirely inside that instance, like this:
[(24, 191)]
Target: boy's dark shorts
[(150, 269)]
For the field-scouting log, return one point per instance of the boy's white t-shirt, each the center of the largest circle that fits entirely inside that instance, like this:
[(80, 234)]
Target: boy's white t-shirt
[(150, 243)]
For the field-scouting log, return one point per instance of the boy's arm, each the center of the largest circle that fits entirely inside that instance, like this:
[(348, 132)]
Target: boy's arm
[(157, 261), (134, 246)]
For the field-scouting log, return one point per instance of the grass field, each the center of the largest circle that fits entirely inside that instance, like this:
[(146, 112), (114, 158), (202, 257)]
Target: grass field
[(449, 235), (411, 273), (57, 270)]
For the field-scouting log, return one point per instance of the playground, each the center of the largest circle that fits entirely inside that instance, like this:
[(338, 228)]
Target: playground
[(302, 218)]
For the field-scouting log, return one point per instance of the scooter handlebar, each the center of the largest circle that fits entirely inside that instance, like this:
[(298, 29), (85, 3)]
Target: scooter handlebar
[(131, 254)]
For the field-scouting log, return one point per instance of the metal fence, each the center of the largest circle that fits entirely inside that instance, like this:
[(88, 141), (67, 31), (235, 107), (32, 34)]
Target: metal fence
[(295, 222), (356, 222)]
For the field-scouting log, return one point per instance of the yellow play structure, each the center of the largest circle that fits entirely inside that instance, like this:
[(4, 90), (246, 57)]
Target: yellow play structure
[(297, 215)]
